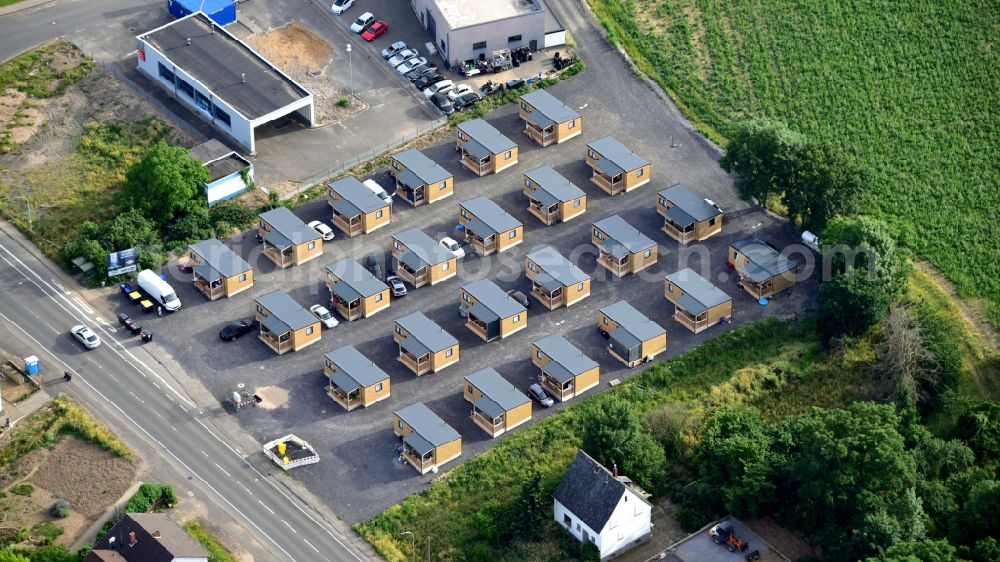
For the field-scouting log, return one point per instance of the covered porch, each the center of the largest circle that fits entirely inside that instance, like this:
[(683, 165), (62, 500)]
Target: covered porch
[(483, 322), (614, 258), (411, 188), (349, 399), (545, 207), (347, 217), (542, 133), (608, 176), (492, 422), (562, 390), (349, 309), (209, 281), (682, 234), (278, 249), (415, 356), (480, 237), (276, 334), (548, 291), (419, 452), (694, 322), (476, 157), (410, 269)]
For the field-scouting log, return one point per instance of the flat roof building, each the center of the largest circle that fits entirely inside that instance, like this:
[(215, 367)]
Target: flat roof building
[(686, 216), (484, 149), (489, 228), (424, 347), (763, 271), (491, 312), (555, 281), (419, 179), (632, 337), (565, 370), (419, 260), (219, 271), (698, 304), (548, 120), (354, 292), (356, 210), (621, 247), (428, 442), (354, 380), (228, 172), (284, 324), (220, 78), (614, 167), (287, 240), (551, 197), (497, 405)]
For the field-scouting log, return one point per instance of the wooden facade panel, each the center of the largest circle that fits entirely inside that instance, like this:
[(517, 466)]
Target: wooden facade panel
[(586, 380), (448, 451), (574, 293), (374, 303), (302, 253), (637, 178), (443, 271), (569, 129), (370, 395), (569, 209), (399, 427), (502, 161), (440, 360), (518, 415), (233, 285), (639, 260), (436, 193), (372, 221), (653, 347), (505, 242), (513, 324), (302, 337)]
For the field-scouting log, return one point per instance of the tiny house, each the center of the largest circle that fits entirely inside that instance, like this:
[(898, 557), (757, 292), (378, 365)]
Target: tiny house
[(489, 228), (287, 240), (491, 313), (565, 370), (424, 347), (621, 248), (551, 197), (763, 271), (698, 304), (353, 379), (686, 216), (219, 271), (356, 210), (419, 179), (632, 338), (548, 120), (419, 260), (497, 406), (614, 168), (484, 150), (428, 442), (354, 292), (284, 325), (555, 281)]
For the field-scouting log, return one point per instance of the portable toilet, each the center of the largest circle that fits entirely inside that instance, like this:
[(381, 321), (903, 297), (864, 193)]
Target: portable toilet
[(31, 365), (222, 12)]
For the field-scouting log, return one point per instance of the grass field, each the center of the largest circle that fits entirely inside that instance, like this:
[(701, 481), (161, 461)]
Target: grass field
[(907, 90)]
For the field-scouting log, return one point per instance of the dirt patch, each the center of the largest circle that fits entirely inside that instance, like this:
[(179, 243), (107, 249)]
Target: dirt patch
[(781, 539), (273, 397), (971, 311)]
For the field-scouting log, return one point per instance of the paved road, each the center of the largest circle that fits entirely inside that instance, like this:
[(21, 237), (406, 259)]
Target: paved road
[(131, 388)]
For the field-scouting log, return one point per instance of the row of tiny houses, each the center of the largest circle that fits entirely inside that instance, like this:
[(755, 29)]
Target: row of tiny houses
[(356, 210), (354, 292), (287, 240)]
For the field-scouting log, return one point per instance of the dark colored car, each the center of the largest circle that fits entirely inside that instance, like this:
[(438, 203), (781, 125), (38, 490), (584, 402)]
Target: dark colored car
[(514, 84), (371, 263), (443, 103), (466, 101), (520, 297), (241, 328), (419, 71), (375, 31), (538, 393), (604, 333), (427, 79)]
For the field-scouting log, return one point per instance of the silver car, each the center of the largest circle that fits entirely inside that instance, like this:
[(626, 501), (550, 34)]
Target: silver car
[(85, 336)]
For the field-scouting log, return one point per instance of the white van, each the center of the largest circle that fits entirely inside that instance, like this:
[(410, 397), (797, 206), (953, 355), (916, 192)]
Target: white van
[(375, 188), (157, 288)]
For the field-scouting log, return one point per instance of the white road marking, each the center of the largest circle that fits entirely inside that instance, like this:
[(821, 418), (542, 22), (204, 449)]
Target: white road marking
[(265, 506), (289, 526), (244, 487), (310, 545), (80, 302), (51, 328), (222, 469)]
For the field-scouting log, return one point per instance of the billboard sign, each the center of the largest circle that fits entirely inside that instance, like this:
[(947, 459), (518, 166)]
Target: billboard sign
[(121, 262)]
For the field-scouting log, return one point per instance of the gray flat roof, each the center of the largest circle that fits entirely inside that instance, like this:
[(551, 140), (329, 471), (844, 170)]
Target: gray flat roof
[(426, 332), (496, 390), (465, 13), (427, 424), (549, 106), (700, 294), (355, 367), (558, 267), (284, 308), (632, 321), (291, 227), (491, 214), (219, 60), (610, 149), (355, 281), (220, 258), (626, 235), (422, 246), (767, 262), (425, 169), (489, 295), (692, 208), (488, 137), (553, 183), (354, 192), (568, 359)]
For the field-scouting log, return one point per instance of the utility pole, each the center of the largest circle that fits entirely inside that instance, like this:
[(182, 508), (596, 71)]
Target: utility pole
[(350, 66), (413, 544)]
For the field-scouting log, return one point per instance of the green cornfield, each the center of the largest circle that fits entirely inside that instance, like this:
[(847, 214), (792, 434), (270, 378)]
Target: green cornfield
[(906, 89)]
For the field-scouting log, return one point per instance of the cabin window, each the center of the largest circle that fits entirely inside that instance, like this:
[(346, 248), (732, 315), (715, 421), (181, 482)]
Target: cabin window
[(640, 172), (449, 352), (446, 266), (395, 165), (532, 266), (260, 309), (471, 389), (378, 297), (572, 123), (605, 319), (527, 182), (310, 330), (538, 354), (312, 245), (243, 277), (378, 214), (711, 221), (399, 330), (670, 287), (508, 155), (524, 105), (479, 45), (577, 202), (591, 153), (567, 520), (466, 298), (329, 364), (464, 213), (461, 135), (517, 318), (663, 202), (647, 253), (598, 234), (443, 185), (512, 235), (513, 38), (378, 387), (400, 423), (579, 286), (395, 244)]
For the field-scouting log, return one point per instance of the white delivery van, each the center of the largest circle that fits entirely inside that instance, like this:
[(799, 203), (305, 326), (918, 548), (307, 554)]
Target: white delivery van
[(375, 188), (159, 289)]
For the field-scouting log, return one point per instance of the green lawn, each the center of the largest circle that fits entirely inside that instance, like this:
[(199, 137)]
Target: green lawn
[(906, 89), (8, 2)]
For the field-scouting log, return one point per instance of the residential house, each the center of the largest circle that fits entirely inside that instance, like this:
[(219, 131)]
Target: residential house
[(555, 281), (147, 537), (229, 174), (287, 240), (565, 370), (548, 120), (497, 406), (428, 442), (490, 312), (615, 168), (219, 271), (354, 379), (763, 271), (484, 149), (599, 507), (356, 210), (419, 260), (621, 247), (489, 228), (686, 216), (698, 304), (632, 337), (354, 292), (551, 197), (424, 347), (284, 324), (419, 179)]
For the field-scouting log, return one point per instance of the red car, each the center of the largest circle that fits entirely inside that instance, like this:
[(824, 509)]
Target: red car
[(375, 31)]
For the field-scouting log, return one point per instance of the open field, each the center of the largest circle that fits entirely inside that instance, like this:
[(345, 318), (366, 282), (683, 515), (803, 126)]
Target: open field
[(911, 98)]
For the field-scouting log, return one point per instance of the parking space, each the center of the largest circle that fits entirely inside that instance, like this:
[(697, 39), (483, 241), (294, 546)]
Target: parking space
[(700, 546)]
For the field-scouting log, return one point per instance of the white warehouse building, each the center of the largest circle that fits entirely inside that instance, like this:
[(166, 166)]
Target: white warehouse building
[(467, 29), (220, 78)]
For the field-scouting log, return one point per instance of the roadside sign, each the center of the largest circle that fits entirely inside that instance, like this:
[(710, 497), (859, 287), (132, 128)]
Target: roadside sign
[(121, 262)]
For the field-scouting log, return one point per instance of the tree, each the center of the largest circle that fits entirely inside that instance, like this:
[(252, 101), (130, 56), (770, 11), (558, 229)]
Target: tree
[(613, 435), (851, 304), (980, 516), (905, 366), (923, 551), (165, 184), (864, 244), (11, 556), (736, 458), (128, 230), (979, 427), (531, 508), (765, 154), (823, 186)]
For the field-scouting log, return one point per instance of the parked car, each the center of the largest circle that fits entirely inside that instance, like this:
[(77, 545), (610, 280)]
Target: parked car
[(85, 336), (371, 263), (458, 90), (514, 83), (538, 393), (340, 6), (402, 56), (410, 64), (520, 297), (375, 188), (443, 86), (419, 71), (363, 21), (466, 101), (238, 329), (391, 50), (442, 102), (463, 311), (397, 286), (325, 231), (455, 248), (604, 333), (324, 316), (375, 31), (426, 80)]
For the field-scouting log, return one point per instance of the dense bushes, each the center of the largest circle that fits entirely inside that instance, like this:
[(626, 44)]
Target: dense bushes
[(59, 509), (613, 435), (150, 495)]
